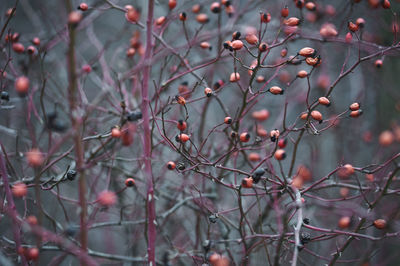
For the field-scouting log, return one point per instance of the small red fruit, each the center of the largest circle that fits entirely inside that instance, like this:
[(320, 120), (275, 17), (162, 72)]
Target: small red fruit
[(260, 115), (247, 182), (380, 224), (344, 222), (208, 92), (378, 63), (34, 157), (244, 137), (276, 90), (32, 220), (18, 47), (280, 154), (172, 4), (83, 7), (282, 143), (228, 120), (183, 137), (316, 115), (107, 198), (116, 132), (129, 182), (32, 254), (19, 190), (171, 165), (234, 77), (285, 12), (74, 17), (181, 125), (324, 101)]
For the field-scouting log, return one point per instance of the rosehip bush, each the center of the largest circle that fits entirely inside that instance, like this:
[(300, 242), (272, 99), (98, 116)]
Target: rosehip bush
[(232, 132)]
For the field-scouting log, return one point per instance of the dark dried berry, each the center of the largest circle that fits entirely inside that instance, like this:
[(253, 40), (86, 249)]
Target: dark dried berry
[(305, 238), (71, 174), (306, 221), (134, 116), (5, 96), (213, 218), (180, 166)]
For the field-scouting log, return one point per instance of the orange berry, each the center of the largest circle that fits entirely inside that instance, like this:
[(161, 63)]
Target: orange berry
[(247, 182), (293, 21), (282, 143), (304, 116), (32, 254), (352, 26), (378, 63), (260, 79), (215, 7), (276, 90), (32, 220), (284, 52), (208, 92), (328, 30), (386, 138), (228, 120), (349, 37), (346, 171), (83, 7), (344, 222), (252, 39), (356, 113), (263, 47), (237, 45), (172, 4), (180, 100), (324, 101), (302, 74), (311, 6), (159, 21), (280, 154), (316, 115), (34, 157), (116, 132), (22, 85), (307, 52), (285, 12), (235, 76), (205, 45), (354, 106), (18, 47), (385, 4), (244, 137), (132, 15), (360, 22), (202, 18), (274, 134), (315, 62), (36, 41), (19, 190), (74, 17), (196, 8), (171, 165), (183, 137), (129, 182), (265, 17), (380, 223), (254, 157), (107, 198), (181, 125), (262, 132), (261, 115), (182, 16)]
